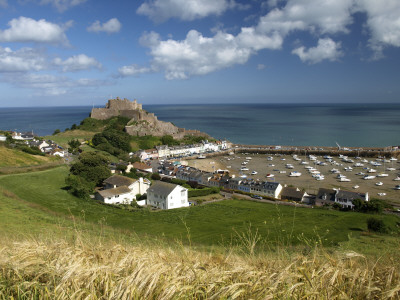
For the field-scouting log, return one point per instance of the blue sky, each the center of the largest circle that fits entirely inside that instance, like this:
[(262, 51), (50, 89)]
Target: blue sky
[(79, 52)]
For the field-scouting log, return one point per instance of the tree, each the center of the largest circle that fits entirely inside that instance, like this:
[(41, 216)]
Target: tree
[(74, 145), (56, 131), (73, 127), (92, 167), (78, 186)]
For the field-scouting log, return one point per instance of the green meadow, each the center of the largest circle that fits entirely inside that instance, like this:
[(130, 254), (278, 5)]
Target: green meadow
[(38, 202)]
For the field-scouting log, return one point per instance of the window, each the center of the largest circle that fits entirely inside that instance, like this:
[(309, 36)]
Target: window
[(183, 193)]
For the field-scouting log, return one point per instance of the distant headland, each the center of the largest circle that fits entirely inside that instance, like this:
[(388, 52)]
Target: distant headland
[(141, 121)]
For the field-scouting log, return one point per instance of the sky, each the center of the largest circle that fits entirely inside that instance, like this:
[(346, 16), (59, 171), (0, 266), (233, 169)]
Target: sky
[(84, 52)]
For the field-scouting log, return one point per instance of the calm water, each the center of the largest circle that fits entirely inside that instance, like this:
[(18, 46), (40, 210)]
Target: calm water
[(274, 124)]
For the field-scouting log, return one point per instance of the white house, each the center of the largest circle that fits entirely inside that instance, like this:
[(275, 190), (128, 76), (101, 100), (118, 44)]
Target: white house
[(122, 190), (166, 195), (119, 195)]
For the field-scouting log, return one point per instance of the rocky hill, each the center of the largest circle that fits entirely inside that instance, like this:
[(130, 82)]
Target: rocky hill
[(142, 122)]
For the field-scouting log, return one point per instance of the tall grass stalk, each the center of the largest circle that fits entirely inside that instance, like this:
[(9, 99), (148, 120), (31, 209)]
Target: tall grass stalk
[(86, 268)]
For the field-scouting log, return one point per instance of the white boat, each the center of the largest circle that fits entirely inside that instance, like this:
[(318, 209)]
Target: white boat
[(381, 194), (304, 163), (348, 169), (201, 156), (397, 178), (248, 158), (271, 165), (358, 165), (356, 187), (392, 158), (254, 173), (371, 171), (244, 169), (282, 172), (382, 175), (368, 177), (390, 169), (270, 175), (360, 173), (245, 163), (243, 176), (379, 183), (344, 179), (270, 158), (295, 174), (397, 187)]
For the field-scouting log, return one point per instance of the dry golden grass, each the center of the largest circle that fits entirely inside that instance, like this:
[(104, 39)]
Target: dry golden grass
[(82, 269)]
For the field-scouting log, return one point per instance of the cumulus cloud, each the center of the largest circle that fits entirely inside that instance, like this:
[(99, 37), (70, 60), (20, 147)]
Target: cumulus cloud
[(383, 21), (29, 30), (187, 10), (77, 63), (133, 70), (22, 60), (111, 26), (326, 49), (197, 55), (63, 5)]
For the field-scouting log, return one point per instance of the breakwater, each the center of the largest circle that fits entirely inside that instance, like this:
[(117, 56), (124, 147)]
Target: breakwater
[(302, 150)]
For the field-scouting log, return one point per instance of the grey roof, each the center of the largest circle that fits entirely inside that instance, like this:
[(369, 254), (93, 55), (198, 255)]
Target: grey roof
[(270, 185), (162, 188), (349, 195), (113, 192), (326, 194), (119, 180), (291, 192)]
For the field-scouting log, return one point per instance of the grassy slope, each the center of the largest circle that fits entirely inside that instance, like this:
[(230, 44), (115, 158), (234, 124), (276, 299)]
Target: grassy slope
[(17, 158), (63, 138), (208, 225)]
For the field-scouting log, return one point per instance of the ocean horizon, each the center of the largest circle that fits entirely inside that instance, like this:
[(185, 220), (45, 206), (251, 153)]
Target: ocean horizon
[(299, 124)]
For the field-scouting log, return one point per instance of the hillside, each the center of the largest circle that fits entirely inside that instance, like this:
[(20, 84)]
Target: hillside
[(16, 161), (55, 245)]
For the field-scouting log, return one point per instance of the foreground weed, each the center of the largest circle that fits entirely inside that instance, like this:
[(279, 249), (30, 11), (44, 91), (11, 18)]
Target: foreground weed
[(96, 269)]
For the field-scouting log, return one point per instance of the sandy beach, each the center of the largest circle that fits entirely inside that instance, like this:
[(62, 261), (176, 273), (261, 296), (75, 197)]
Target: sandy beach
[(277, 167)]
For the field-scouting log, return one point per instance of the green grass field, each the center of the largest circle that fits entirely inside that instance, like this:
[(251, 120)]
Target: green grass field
[(41, 199)]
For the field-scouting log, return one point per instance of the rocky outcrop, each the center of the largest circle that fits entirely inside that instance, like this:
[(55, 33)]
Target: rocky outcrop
[(142, 122)]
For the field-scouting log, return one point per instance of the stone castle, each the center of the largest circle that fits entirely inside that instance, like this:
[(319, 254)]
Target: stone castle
[(142, 122)]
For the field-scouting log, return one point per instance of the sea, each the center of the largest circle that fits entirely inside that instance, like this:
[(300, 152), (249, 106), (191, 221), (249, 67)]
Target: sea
[(349, 125)]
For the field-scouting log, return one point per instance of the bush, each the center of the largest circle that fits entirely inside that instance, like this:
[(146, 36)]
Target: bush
[(56, 131), (203, 192), (376, 225), (155, 176)]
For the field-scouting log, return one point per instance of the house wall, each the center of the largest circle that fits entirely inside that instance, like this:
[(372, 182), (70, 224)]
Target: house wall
[(118, 199), (177, 198)]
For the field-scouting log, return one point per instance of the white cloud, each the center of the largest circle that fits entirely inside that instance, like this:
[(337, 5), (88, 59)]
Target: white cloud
[(22, 60), (197, 55), (188, 10), (383, 21), (133, 70), (51, 85), (321, 16), (326, 49), (63, 5), (111, 26), (261, 67), (29, 30), (77, 63)]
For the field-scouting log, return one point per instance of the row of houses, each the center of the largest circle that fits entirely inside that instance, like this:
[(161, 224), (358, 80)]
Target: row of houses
[(48, 147), (165, 151), (119, 189), (270, 189)]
